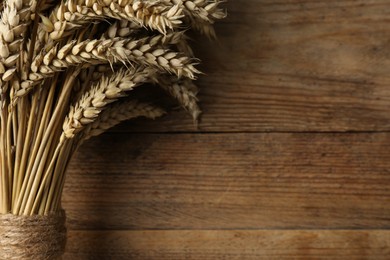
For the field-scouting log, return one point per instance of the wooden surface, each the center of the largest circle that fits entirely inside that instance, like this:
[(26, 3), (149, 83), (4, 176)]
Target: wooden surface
[(290, 161), (232, 244)]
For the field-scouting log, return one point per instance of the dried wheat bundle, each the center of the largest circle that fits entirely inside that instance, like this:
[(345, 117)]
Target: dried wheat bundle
[(67, 73)]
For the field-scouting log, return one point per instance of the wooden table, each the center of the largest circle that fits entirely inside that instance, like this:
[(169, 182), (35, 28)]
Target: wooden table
[(290, 161)]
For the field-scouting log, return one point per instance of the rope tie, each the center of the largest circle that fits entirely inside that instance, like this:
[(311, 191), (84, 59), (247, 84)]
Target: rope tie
[(32, 237)]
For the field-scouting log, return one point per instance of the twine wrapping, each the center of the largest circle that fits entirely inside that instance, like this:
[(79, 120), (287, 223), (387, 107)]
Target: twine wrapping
[(32, 237)]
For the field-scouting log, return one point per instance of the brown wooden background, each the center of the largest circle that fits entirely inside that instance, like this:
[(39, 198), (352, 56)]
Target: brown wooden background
[(291, 159)]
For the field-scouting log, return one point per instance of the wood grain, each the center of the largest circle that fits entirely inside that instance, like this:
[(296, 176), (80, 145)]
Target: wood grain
[(292, 66), (233, 244), (230, 181), (302, 70)]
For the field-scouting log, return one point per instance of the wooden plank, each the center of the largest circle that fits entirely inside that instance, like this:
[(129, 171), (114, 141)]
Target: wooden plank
[(293, 66), (230, 181), (234, 244)]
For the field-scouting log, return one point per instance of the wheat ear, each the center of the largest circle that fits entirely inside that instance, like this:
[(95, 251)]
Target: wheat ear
[(95, 100), (119, 112), (147, 51), (73, 14), (183, 90), (121, 28), (14, 21), (201, 14)]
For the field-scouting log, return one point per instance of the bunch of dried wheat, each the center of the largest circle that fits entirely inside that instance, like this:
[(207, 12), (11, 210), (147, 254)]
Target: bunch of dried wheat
[(67, 71)]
